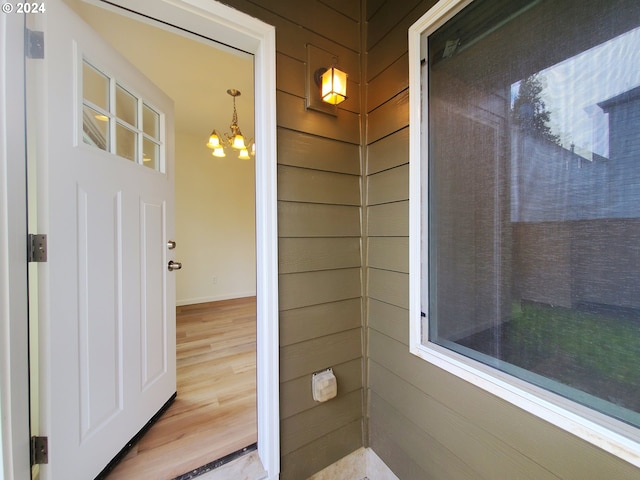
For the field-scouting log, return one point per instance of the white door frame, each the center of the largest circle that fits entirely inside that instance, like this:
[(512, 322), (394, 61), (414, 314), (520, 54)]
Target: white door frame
[(14, 379), (204, 17)]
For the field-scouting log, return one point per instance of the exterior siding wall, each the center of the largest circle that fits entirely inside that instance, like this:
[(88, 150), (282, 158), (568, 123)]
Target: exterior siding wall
[(423, 422), (319, 215)]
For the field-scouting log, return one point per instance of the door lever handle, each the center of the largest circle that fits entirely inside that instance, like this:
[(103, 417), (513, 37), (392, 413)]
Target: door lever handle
[(174, 265)]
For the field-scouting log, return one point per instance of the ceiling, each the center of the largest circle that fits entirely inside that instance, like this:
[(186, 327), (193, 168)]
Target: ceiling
[(196, 73)]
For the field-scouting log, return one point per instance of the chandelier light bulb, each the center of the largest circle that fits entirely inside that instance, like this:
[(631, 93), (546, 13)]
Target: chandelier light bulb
[(238, 142), (214, 140), (219, 152)]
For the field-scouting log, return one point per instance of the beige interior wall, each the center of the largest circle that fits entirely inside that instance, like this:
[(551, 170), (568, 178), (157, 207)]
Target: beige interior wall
[(215, 223)]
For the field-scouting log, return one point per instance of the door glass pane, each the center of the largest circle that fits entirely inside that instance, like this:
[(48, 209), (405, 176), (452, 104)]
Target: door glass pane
[(151, 154), (151, 122), (126, 106), (95, 86), (95, 128), (126, 143), (534, 187), (100, 109)]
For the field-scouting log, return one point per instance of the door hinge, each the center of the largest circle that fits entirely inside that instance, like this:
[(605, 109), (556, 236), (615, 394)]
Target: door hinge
[(39, 450), (36, 248), (34, 43)]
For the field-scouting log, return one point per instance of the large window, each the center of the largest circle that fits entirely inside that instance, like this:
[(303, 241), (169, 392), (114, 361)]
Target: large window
[(525, 203)]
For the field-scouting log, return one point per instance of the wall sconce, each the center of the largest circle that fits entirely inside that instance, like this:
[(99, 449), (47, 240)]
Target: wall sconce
[(333, 85), (326, 84)]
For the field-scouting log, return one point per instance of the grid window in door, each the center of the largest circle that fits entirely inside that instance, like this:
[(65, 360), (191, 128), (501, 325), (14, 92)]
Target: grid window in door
[(119, 121)]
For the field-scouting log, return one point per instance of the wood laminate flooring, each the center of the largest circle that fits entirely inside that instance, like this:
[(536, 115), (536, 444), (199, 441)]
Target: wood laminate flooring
[(214, 413)]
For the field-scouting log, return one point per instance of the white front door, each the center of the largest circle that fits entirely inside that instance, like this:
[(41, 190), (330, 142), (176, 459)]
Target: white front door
[(102, 135)]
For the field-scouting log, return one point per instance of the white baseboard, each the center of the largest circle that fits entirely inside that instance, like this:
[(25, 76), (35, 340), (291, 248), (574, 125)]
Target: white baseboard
[(361, 464), (214, 298)]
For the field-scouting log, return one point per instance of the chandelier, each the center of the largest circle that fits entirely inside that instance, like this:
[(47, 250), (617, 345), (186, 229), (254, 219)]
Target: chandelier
[(234, 140)]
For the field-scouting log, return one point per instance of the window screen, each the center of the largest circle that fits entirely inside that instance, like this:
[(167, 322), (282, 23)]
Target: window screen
[(531, 256)]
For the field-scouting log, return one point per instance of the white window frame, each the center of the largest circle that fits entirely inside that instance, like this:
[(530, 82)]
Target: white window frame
[(600, 430)]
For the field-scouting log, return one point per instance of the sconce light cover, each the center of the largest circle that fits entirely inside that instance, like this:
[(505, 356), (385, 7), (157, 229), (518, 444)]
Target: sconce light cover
[(334, 86)]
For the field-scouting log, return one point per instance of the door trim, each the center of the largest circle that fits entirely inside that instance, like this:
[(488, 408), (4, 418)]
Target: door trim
[(204, 17), (14, 377)]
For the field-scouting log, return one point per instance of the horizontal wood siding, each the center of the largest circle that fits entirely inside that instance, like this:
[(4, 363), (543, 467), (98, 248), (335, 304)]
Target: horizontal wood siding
[(293, 33), (388, 186), (453, 432), (320, 421), (389, 219), (389, 320), (389, 287), (387, 17), (318, 220), (390, 82), (389, 152), (320, 217), (293, 115), (290, 74), (350, 9), (348, 374), (389, 253), (422, 421), (389, 117), (415, 451), (315, 186), (319, 153), (313, 288), (310, 254), (495, 426), (314, 456), (302, 324)]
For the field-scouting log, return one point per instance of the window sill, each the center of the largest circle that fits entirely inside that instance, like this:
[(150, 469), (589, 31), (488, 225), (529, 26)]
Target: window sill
[(601, 431)]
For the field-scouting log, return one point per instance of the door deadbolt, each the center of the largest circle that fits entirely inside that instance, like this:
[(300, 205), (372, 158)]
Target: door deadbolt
[(171, 244), (174, 265)]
